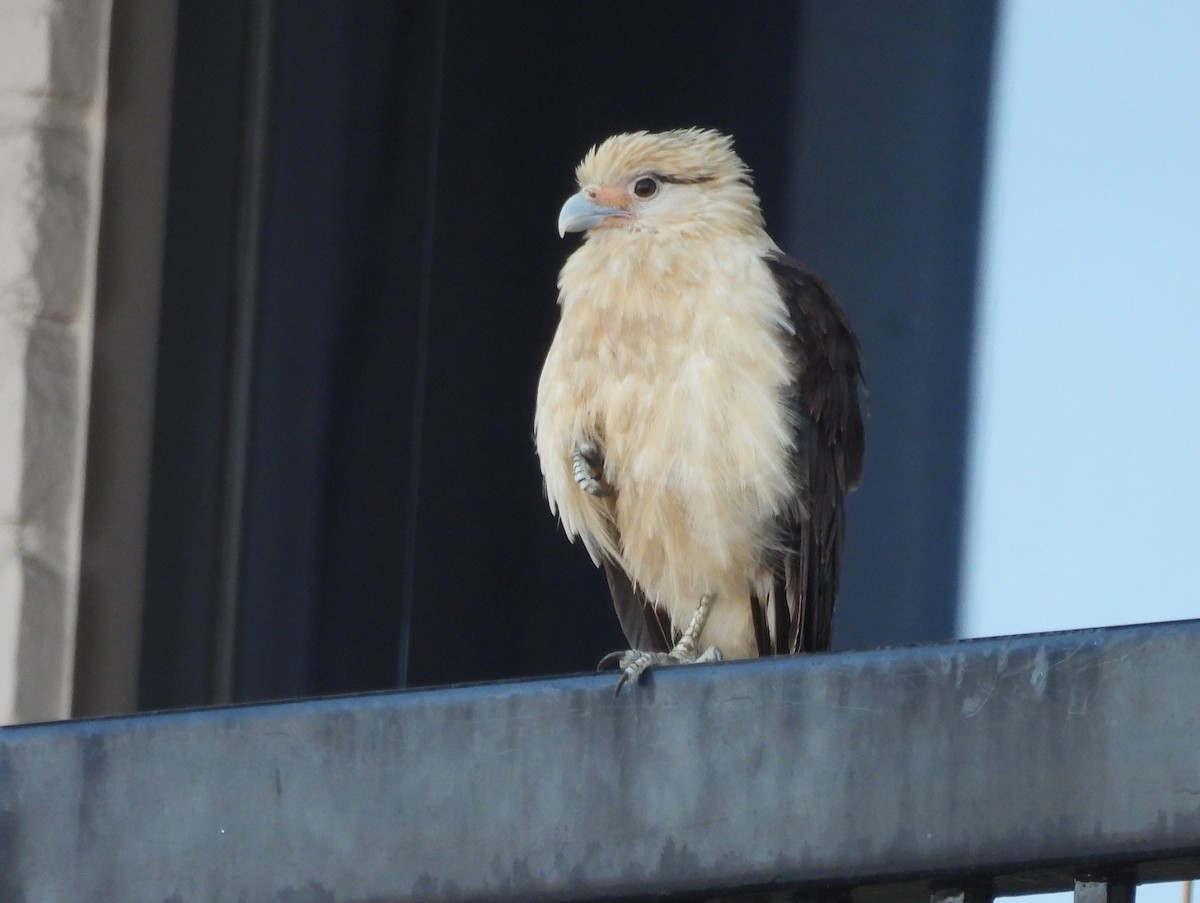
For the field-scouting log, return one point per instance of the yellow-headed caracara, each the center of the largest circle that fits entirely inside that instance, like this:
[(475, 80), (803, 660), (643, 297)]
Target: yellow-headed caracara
[(698, 415)]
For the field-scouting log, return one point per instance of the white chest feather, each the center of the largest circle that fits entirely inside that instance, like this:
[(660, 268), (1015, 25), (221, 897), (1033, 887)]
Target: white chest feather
[(674, 361)]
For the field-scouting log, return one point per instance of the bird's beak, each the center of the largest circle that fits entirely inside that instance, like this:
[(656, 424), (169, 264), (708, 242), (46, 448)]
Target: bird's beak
[(580, 213)]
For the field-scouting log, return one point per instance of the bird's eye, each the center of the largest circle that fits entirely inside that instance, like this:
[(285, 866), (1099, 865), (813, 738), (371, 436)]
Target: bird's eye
[(645, 187)]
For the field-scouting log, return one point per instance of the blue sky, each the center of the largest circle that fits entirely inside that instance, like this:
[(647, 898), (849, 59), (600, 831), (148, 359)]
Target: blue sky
[(1084, 475)]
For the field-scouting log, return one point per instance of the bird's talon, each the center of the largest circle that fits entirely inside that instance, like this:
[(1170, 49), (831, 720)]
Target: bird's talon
[(587, 466), (634, 663), (611, 660), (711, 654)]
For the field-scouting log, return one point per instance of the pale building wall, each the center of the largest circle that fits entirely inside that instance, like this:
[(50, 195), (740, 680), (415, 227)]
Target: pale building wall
[(53, 61)]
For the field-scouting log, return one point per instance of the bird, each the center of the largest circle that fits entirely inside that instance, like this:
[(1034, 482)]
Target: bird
[(698, 420)]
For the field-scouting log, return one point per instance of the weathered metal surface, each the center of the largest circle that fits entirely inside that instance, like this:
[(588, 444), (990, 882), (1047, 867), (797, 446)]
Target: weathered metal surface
[(1013, 764)]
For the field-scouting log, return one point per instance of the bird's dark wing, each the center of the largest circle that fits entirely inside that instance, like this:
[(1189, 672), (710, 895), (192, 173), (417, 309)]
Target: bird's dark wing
[(828, 462), (646, 628)]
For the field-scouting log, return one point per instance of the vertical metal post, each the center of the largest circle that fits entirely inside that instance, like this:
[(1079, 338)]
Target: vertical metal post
[(1093, 890), (962, 895)]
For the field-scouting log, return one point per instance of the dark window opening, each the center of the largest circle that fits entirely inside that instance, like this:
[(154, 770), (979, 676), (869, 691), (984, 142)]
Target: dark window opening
[(359, 288)]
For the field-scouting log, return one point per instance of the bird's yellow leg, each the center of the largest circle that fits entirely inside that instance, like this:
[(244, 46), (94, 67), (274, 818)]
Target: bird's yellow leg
[(635, 662)]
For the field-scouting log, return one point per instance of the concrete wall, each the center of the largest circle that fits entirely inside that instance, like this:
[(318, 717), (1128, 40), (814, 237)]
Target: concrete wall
[(53, 61)]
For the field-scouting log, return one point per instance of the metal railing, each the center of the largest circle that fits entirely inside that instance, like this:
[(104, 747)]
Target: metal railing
[(953, 772)]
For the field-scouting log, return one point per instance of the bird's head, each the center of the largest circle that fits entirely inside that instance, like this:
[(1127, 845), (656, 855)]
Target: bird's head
[(686, 181)]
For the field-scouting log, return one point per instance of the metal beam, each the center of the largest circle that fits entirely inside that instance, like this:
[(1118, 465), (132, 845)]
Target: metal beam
[(1008, 765)]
